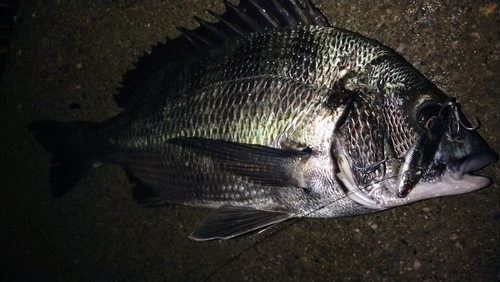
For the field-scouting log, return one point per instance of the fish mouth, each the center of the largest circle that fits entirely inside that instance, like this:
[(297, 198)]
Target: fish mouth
[(457, 178), (461, 168)]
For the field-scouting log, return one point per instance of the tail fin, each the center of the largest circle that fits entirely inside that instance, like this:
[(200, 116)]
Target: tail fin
[(70, 163)]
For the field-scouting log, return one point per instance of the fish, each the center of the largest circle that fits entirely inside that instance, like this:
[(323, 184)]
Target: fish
[(271, 113)]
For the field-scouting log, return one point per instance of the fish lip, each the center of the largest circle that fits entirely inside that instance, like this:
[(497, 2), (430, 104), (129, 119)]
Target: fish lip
[(459, 168), (457, 177)]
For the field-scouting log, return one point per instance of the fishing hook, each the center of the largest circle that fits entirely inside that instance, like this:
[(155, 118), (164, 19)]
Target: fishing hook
[(460, 123)]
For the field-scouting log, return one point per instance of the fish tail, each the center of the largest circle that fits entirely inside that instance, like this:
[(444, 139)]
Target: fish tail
[(71, 161)]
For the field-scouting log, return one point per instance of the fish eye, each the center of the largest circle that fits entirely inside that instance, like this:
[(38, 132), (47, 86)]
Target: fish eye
[(427, 113)]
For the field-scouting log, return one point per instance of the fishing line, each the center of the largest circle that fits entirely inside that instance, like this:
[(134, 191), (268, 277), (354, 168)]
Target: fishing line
[(278, 228)]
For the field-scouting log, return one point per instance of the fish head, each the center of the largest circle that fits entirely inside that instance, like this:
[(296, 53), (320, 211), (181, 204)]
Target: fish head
[(399, 143)]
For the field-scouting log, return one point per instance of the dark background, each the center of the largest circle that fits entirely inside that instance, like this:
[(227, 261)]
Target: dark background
[(67, 58)]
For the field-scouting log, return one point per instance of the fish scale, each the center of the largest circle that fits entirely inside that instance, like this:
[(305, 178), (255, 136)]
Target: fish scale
[(363, 140), (270, 114), (401, 135)]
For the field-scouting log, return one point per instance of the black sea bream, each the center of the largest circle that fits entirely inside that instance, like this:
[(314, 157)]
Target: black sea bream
[(270, 114)]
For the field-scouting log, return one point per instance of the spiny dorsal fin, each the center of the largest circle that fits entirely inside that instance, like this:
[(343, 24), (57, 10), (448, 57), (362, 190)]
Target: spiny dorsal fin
[(249, 16)]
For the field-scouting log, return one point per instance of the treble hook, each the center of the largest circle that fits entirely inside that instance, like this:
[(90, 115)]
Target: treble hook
[(460, 123)]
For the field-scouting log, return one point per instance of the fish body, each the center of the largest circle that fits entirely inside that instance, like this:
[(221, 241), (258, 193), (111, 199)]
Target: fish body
[(271, 114)]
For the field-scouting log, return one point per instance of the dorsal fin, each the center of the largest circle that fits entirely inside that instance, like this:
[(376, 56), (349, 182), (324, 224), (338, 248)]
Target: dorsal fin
[(249, 16)]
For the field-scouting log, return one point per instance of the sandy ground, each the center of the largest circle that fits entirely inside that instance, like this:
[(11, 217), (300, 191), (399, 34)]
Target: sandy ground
[(66, 60)]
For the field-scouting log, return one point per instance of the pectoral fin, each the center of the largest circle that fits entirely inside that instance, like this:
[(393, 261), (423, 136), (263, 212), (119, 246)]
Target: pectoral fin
[(261, 165), (229, 221)]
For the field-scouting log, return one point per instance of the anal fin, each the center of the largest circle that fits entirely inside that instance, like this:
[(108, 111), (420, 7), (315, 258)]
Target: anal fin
[(230, 221), (144, 198)]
